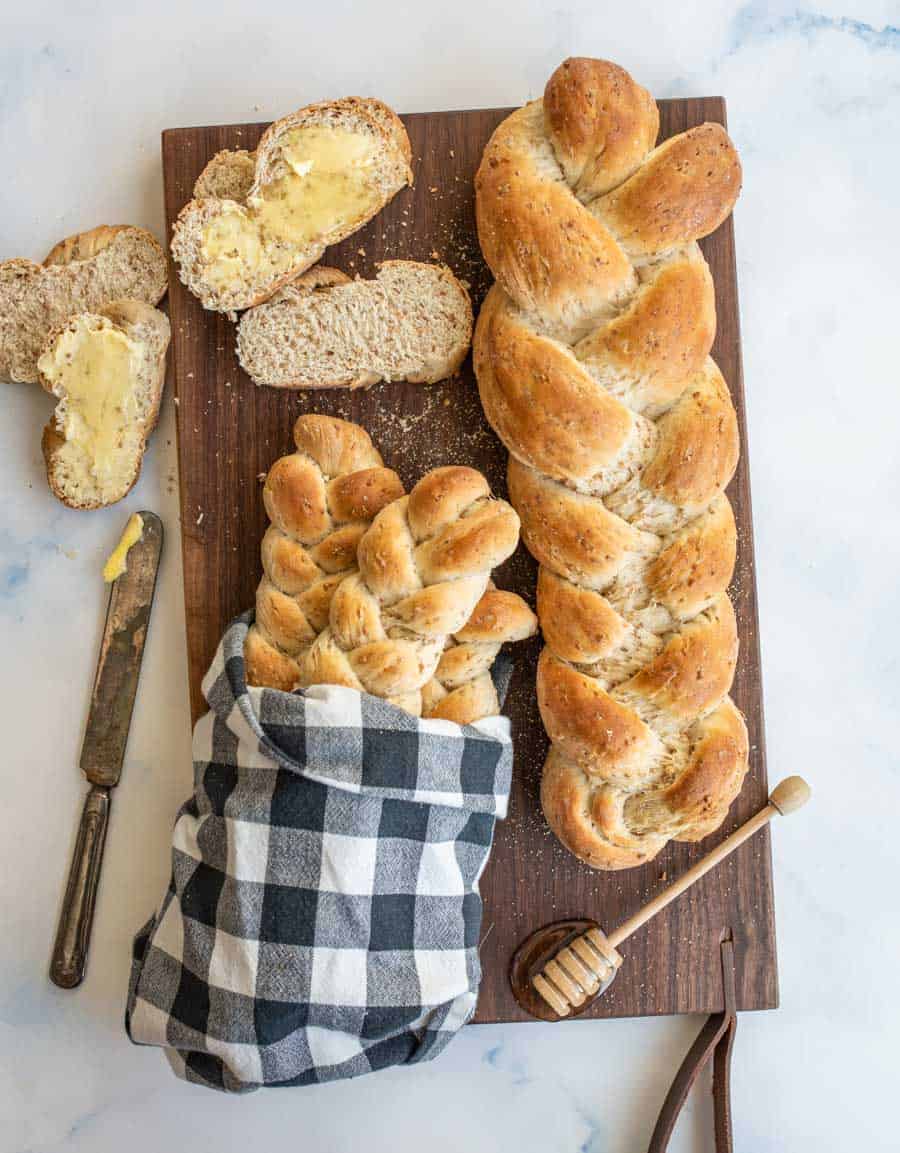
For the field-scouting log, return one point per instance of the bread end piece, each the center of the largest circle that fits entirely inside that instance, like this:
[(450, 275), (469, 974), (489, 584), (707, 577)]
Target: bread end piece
[(228, 176)]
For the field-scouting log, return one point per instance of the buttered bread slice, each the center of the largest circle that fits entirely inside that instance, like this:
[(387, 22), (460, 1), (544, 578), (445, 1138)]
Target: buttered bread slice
[(320, 174), (412, 322), (108, 370)]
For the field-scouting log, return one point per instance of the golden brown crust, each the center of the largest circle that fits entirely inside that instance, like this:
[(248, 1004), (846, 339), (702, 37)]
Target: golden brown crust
[(601, 123), (499, 616), (471, 702), (575, 811), (578, 624), (696, 564), (461, 689), (338, 446), (605, 737), (698, 444), (683, 191), (266, 666), (83, 245), (574, 535), (718, 767), (592, 359), (694, 670), (441, 496), (581, 427), (664, 335), (479, 541)]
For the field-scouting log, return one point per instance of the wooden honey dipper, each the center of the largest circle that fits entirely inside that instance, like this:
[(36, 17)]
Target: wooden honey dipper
[(561, 968)]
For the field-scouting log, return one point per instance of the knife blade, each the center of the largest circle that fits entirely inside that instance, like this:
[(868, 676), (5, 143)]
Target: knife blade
[(105, 739)]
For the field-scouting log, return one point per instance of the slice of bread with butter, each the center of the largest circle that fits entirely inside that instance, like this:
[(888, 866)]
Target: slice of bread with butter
[(83, 273), (107, 369), (320, 174)]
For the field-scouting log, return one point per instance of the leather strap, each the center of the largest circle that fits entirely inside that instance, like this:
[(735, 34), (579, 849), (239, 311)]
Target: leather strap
[(715, 1040)]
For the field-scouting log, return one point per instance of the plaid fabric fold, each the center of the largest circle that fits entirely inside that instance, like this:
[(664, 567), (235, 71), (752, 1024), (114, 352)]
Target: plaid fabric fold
[(323, 916)]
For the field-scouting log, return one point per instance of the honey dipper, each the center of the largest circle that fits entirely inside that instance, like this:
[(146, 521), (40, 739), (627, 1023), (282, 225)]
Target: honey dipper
[(561, 968)]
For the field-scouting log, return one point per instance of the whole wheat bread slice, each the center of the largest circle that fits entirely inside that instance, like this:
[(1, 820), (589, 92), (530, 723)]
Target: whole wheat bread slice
[(388, 173), (412, 322), (83, 273), (70, 467)]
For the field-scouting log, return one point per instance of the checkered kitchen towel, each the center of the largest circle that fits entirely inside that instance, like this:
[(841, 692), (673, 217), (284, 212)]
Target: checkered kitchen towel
[(323, 916)]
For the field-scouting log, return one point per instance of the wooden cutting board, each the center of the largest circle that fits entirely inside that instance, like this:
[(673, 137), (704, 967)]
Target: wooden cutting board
[(230, 432)]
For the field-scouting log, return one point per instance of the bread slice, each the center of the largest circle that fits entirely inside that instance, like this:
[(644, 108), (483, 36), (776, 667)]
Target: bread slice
[(83, 273), (321, 173), (412, 322), (108, 369)]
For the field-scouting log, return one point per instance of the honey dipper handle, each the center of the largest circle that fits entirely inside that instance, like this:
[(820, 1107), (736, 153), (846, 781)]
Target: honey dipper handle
[(787, 796)]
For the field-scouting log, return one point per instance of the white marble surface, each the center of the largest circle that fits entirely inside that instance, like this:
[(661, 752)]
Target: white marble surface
[(814, 101)]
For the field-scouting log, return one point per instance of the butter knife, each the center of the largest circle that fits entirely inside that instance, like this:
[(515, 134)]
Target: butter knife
[(103, 751)]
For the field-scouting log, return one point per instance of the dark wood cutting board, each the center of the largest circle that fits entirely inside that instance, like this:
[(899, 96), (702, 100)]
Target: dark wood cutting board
[(230, 432)]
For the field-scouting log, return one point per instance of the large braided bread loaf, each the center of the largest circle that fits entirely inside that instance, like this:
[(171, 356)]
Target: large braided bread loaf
[(321, 499), (592, 357)]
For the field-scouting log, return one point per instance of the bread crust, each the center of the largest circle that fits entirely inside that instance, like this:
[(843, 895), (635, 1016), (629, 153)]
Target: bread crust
[(128, 316), (82, 273), (367, 115), (593, 366)]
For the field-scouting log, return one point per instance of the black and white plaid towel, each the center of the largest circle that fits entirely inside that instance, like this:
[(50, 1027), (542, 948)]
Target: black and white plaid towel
[(323, 917)]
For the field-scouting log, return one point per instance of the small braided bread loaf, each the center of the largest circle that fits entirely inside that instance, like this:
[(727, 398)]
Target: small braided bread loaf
[(592, 357), (320, 500), (424, 564)]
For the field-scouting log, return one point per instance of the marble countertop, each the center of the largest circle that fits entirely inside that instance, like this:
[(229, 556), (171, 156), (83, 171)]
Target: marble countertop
[(813, 100)]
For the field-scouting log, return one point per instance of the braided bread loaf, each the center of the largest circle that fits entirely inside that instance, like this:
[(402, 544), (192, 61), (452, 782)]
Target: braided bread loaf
[(424, 564), (320, 500), (592, 358)]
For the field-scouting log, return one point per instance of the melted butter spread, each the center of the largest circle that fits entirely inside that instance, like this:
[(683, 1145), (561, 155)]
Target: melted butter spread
[(325, 185), (92, 368), (117, 561)]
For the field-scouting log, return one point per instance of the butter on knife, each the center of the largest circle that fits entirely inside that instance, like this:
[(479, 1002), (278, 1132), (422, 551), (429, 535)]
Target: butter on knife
[(118, 558)]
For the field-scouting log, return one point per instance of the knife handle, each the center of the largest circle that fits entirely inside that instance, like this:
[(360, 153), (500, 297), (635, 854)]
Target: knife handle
[(77, 914)]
